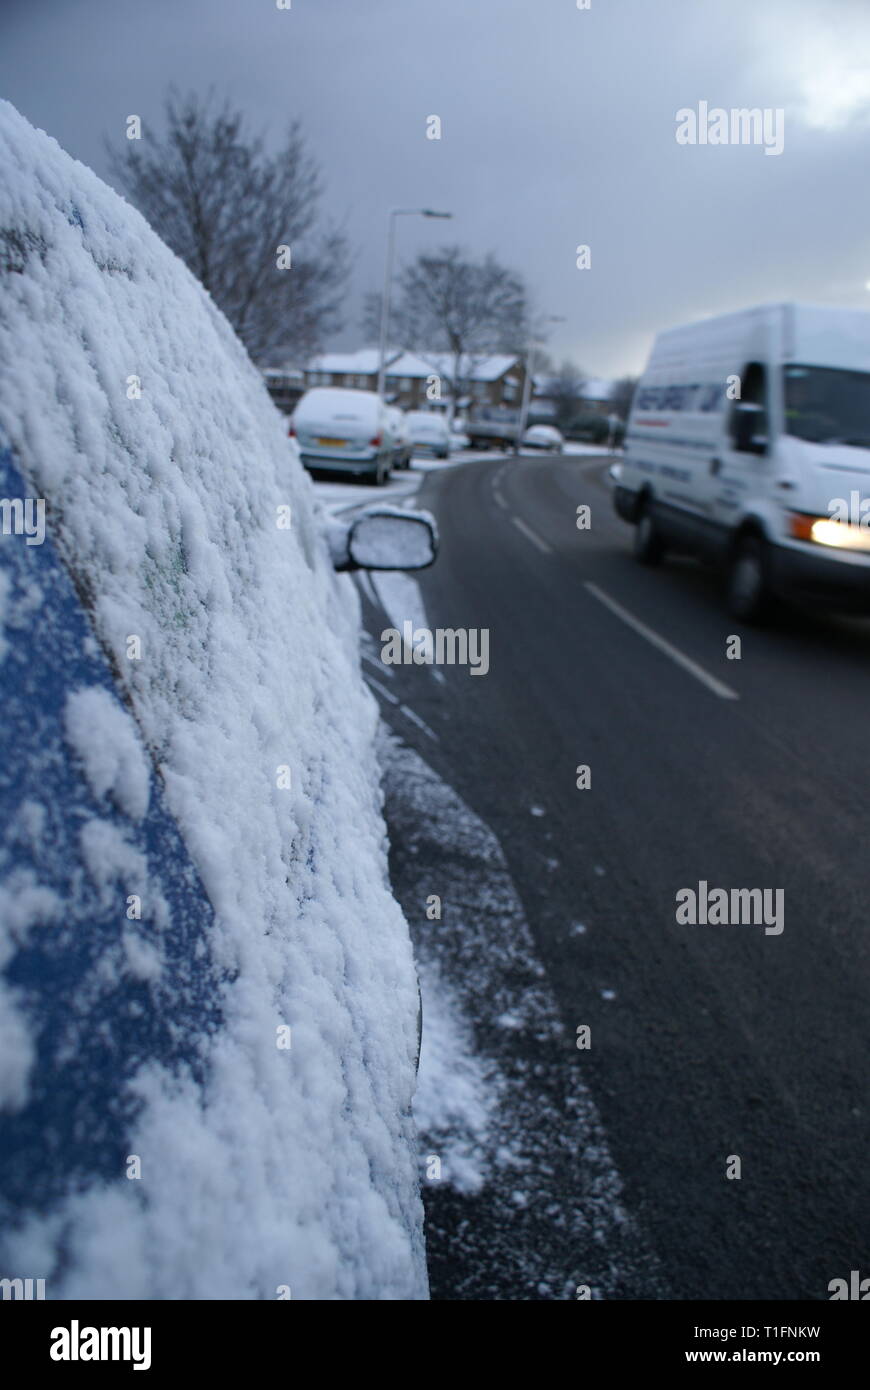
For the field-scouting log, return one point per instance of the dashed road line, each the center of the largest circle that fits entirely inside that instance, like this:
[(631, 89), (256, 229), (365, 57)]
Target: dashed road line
[(531, 535), (663, 645)]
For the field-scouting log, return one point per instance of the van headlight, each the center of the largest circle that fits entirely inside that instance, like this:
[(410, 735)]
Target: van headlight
[(823, 531)]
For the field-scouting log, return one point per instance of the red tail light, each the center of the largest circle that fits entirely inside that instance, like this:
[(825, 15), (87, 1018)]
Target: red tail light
[(376, 441), (292, 430)]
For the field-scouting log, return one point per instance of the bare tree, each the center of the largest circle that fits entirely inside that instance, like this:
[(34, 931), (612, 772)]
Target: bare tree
[(566, 389), (622, 395), (448, 303), (225, 207)]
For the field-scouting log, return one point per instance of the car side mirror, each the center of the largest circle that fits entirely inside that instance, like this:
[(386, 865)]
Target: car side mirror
[(749, 428), (390, 538)]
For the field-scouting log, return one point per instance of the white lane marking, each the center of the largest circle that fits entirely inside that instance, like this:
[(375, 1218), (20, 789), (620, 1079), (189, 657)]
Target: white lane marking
[(499, 499), (415, 719), (532, 535), (379, 666), (403, 709), (387, 694), (363, 581), (718, 687)]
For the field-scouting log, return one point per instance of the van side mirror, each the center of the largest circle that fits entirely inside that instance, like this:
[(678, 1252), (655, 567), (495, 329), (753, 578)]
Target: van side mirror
[(388, 538), (749, 428)]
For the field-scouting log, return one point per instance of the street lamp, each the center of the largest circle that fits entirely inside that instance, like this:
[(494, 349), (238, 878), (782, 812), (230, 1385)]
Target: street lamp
[(388, 281), (527, 383)]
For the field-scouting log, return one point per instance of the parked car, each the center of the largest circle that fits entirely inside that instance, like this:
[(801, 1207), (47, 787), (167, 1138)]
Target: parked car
[(493, 427), (208, 1002), (545, 437), (429, 431), (345, 431), (589, 429), (749, 444), (402, 448)]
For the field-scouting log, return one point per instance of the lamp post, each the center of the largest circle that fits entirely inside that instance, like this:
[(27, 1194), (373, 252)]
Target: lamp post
[(388, 281), (527, 383)]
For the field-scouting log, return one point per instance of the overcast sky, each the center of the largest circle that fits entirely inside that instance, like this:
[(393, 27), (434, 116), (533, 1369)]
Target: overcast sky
[(558, 129)]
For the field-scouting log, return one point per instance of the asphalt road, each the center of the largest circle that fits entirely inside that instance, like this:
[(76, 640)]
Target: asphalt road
[(707, 1041)]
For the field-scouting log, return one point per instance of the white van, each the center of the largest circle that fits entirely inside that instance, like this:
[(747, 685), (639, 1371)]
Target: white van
[(345, 431), (749, 443)]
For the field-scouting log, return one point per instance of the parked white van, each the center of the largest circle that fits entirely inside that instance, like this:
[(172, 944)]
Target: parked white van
[(749, 443), (345, 431)]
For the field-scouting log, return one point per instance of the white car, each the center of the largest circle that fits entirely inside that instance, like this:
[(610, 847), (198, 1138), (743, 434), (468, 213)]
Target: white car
[(429, 431), (401, 437), (544, 437), (345, 431)]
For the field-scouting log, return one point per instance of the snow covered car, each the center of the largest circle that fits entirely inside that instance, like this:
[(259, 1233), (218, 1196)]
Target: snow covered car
[(429, 432), (208, 1002), (344, 431), (401, 438), (545, 437)]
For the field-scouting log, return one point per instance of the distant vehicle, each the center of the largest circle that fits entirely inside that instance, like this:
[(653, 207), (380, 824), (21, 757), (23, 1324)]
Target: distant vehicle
[(749, 443), (493, 427), (429, 431), (544, 437), (344, 431), (402, 449), (589, 429), (458, 438)]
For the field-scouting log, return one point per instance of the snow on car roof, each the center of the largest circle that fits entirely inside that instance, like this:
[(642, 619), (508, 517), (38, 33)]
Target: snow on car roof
[(188, 521), (331, 401)]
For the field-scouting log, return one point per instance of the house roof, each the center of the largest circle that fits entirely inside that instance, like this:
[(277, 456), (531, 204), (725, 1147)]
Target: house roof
[(364, 361), (473, 368)]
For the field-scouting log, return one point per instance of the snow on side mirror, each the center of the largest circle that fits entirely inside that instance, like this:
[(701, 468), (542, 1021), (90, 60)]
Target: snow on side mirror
[(391, 538)]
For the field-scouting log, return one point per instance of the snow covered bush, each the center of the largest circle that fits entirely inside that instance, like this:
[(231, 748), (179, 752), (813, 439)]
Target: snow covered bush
[(189, 529)]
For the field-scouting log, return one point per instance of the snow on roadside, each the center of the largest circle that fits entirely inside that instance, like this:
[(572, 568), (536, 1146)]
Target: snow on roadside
[(529, 1201), (457, 1091)]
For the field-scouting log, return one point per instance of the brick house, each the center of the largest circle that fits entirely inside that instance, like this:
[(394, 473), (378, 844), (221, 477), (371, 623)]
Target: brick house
[(494, 379)]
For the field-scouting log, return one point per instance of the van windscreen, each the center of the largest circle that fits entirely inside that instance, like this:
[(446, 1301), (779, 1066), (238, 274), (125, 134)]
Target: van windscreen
[(827, 405)]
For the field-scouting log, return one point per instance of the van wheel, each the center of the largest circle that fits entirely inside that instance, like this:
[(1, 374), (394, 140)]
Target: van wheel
[(648, 545), (748, 592), (380, 475)]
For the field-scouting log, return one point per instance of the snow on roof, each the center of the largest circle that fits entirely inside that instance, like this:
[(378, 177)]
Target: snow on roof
[(282, 1166), (484, 368), (283, 373), (411, 364), (365, 361)]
